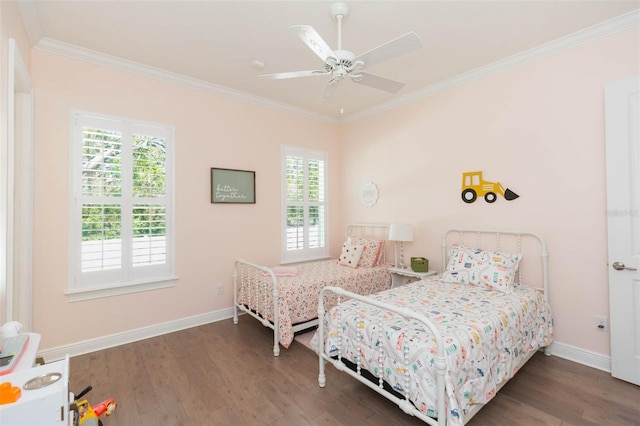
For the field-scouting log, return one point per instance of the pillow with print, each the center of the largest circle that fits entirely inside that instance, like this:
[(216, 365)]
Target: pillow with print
[(372, 250), (499, 271), (464, 265), (351, 254)]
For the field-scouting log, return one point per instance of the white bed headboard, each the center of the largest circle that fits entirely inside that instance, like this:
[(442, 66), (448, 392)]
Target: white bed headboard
[(374, 231), (533, 269)]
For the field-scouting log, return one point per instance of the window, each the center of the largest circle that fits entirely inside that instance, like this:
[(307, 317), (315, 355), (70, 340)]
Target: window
[(304, 205), (122, 206)]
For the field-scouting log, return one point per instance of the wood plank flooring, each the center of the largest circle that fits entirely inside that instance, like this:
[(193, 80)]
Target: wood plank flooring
[(225, 374)]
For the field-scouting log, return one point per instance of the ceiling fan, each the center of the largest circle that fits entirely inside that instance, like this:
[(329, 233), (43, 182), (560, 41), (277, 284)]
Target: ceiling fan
[(339, 64)]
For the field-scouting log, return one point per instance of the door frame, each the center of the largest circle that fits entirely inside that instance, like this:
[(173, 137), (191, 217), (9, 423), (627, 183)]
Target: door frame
[(16, 194)]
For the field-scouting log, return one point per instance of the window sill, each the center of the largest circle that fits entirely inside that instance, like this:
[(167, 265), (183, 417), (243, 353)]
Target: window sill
[(312, 259), (77, 295)]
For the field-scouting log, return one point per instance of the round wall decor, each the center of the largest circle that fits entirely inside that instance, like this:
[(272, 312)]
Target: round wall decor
[(368, 194)]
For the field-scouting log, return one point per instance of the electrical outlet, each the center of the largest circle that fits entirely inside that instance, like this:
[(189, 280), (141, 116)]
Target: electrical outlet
[(220, 289), (602, 323)]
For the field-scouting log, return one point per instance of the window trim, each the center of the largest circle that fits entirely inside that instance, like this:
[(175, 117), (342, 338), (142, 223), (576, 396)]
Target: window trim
[(307, 254), (76, 291)]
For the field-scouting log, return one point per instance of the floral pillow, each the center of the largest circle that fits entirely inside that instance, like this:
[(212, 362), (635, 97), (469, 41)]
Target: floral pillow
[(491, 270), (351, 254), (372, 251)]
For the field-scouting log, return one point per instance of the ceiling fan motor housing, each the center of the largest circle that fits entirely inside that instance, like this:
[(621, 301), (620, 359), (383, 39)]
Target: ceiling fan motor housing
[(345, 58), (339, 10)]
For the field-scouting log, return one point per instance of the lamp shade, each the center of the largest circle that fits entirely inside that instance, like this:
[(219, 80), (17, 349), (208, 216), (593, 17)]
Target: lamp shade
[(400, 232)]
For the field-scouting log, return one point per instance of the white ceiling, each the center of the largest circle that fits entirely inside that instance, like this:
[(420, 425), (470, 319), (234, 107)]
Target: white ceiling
[(214, 43)]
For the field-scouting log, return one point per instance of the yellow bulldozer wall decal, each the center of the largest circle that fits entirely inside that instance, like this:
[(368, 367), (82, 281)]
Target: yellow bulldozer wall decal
[(473, 187)]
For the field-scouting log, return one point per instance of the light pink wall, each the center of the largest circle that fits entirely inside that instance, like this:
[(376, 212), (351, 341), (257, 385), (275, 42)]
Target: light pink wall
[(539, 130), (210, 131)]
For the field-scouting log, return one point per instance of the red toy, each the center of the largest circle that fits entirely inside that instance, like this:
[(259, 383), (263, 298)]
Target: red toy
[(88, 415)]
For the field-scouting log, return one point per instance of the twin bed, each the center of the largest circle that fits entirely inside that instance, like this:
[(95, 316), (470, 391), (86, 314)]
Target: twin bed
[(285, 298), (441, 347)]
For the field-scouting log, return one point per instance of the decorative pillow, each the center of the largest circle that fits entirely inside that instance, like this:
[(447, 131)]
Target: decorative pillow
[(351, 254), (491, 270), (464, 264), (372, 251), (500, 273)]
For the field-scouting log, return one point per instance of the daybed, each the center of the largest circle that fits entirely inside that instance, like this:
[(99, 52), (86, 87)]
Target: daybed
[(442, 347), (284, 298)]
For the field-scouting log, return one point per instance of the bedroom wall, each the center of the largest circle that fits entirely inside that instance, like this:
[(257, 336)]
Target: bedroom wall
[(210, 131), (539, 130)]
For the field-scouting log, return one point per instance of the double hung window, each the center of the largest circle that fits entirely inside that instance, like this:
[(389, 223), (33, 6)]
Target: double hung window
[(304, 204), (121, 207)]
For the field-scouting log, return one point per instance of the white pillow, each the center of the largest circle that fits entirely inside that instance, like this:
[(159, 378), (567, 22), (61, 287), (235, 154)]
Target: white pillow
[(491, 270), (500, 273), (463, 265), (351, 254)]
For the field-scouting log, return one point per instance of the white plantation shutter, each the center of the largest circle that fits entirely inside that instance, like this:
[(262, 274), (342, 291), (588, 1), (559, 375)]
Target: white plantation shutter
[(121, 226), (304, 201)]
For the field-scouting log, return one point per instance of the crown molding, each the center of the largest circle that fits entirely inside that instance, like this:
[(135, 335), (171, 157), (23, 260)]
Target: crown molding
[(595, 32), (80, 53), (31, 19)]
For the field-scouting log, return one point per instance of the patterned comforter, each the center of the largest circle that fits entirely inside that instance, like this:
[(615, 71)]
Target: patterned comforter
[(486, 334), (298, 295)]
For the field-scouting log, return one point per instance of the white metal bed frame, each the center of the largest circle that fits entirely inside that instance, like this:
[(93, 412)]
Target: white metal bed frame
[(440, 364), (252, 275)]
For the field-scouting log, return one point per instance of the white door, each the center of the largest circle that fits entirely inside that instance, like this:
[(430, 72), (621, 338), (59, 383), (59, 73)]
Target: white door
[(622, 119)]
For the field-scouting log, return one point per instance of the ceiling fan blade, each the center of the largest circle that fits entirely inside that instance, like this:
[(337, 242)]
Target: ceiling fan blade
[(377, 82), (328, 90), (293, 74), (311, 38), (396, 47)]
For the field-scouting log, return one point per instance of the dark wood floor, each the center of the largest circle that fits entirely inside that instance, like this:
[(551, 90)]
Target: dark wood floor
[(225, 374)]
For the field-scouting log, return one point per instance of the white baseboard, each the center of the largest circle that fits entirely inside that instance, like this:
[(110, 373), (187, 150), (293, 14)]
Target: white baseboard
[(582, 356), (562, 350), (105, 342)]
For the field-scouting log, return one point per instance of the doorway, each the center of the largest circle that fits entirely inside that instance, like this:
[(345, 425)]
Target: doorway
[(622, 120), (16, 195)]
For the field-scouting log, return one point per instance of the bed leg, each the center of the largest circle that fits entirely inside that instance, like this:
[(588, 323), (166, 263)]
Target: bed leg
[(276, 350), (322, 378), (547, 350), (235, 294)]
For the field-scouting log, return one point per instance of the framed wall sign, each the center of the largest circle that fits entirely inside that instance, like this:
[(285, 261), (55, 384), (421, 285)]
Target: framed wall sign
[(233, 186)]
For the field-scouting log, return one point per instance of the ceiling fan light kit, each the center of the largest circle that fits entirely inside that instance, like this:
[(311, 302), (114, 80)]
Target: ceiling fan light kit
[(341, 63)]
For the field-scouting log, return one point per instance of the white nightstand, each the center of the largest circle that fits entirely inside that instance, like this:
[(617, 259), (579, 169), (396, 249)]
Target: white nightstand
[(405, 276)]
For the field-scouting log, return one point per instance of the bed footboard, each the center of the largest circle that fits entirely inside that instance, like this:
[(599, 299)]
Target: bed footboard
[(255, 289), (402, 402)]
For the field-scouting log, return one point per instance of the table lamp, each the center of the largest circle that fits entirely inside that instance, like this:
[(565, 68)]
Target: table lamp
[(400, 233)]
